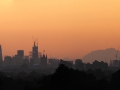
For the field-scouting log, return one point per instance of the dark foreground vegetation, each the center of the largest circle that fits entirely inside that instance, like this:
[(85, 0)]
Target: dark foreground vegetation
[(64, 78)]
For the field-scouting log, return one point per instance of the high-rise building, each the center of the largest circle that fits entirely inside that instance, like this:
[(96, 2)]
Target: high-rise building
[(20, 53), (1, 59), (19, 57), (35, 53), (43, 61), (7, 61)]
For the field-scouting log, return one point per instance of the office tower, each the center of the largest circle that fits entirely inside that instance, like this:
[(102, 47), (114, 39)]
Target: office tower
[(43, 60), (20, 54), (35, 53), (1, 59)]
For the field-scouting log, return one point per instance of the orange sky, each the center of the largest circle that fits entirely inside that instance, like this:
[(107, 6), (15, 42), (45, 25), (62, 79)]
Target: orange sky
[(65, 28)]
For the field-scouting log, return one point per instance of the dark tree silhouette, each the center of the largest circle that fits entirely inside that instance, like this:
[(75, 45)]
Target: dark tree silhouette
[(63, 78)]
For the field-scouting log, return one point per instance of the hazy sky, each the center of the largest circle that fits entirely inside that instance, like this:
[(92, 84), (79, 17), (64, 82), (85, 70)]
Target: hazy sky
[(65, 28)]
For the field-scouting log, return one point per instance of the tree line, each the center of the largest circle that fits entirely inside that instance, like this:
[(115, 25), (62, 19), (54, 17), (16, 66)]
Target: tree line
[(63, 78)]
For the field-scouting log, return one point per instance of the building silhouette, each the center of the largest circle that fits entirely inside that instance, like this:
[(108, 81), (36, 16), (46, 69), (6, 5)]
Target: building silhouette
[(88, 66), (14, 60), (1, 58), (53, 62), (97, 65), (20, 57), (67, 63), (26, 60), (79, 64), (35, 53), (43, 61), (31, 62), (7, 61), (115, 63), (20, 54)]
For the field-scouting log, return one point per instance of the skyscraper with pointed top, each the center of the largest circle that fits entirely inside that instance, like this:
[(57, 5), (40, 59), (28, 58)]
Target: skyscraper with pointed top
[(1, 59)]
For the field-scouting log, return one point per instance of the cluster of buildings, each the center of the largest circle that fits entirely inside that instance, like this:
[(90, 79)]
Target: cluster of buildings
[(85, 66), (37, 59), (34, 60), (78, 64)]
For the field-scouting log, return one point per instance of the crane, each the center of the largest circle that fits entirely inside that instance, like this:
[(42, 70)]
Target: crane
[(35, 41)]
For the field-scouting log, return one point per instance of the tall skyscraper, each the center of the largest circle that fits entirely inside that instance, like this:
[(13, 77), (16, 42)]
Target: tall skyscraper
[(35, 53), (1, 59)]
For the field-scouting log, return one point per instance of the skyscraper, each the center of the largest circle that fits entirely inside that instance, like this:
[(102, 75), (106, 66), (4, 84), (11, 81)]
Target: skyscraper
[(35, 53), (44, 60), (1, 59), (20, 57)]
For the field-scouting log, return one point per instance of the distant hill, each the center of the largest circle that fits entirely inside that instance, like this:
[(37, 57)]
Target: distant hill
[(101, 55)]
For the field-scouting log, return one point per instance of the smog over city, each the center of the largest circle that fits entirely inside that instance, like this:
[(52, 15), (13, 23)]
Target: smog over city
[(59, 44)]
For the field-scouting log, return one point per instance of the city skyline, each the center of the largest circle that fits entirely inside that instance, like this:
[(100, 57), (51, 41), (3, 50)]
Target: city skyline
[(101, 55), (65, 28), (59, 44)]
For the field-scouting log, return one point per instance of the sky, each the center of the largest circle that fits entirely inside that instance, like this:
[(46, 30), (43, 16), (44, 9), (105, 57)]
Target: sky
[(64, 28)]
